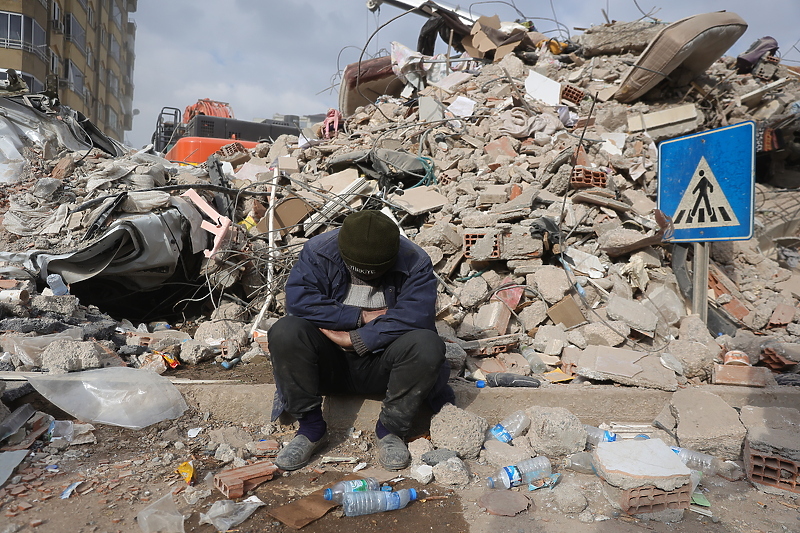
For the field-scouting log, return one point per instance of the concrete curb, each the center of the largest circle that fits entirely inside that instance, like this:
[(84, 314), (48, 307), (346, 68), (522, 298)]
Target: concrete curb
[(592, 404)]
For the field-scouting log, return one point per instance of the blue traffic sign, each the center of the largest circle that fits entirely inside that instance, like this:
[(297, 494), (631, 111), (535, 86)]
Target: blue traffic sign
[(706, 184)]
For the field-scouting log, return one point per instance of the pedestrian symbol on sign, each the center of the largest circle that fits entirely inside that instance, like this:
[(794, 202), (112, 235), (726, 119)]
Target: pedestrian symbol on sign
[(704, 204)]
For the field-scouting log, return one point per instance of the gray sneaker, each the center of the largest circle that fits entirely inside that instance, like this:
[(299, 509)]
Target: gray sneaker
[(298, 452), (393, 453)]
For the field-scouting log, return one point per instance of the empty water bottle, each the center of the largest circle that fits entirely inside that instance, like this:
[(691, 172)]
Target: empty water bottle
[(336, 492), (374, 501), (595, 436), (521, 473), (580, 462), (56, 284), (511, 427), (708, 464), (534, 361)]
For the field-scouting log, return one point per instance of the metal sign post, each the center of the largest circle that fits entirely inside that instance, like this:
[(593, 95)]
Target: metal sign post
[(706, 184)]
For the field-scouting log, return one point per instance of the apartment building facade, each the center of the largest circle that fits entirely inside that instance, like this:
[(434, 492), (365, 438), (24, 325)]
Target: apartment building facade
[(88, 45)]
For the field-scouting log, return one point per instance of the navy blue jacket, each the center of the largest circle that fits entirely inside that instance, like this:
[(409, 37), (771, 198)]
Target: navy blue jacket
[(319, 281)]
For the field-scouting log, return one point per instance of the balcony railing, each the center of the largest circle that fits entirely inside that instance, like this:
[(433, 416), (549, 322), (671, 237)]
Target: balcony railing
[(16, 44)]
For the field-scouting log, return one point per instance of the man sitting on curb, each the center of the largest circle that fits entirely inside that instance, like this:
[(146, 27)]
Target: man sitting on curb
[(361, 303)]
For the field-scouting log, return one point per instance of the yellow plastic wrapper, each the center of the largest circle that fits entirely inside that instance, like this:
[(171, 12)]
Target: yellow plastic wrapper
[(170, 359), (186, 470)]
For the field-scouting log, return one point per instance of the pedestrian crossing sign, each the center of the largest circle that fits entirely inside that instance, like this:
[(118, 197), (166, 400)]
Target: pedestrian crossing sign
[(706, 184)]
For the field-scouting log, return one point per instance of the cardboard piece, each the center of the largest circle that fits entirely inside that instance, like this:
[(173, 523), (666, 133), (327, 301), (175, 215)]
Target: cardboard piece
[(566, 312), (303, 511), (288, 214)]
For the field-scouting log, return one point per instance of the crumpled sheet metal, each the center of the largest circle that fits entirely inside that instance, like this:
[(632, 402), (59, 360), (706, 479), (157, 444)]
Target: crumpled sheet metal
[(144, 249)]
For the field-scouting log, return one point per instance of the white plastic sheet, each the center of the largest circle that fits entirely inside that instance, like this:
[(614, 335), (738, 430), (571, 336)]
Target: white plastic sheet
[(119, 396)]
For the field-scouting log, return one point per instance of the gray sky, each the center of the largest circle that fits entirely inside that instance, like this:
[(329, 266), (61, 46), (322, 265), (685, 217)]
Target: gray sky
[(282, 56)]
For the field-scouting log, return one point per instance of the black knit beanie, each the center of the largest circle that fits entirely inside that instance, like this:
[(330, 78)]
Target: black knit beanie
[(369, 242)]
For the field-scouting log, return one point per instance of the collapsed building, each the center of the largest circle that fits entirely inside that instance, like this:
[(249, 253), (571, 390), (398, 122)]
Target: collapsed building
[(527, 169)]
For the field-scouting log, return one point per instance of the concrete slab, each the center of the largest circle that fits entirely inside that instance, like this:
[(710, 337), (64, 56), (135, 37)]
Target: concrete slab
[(708, 424), (639, 463)]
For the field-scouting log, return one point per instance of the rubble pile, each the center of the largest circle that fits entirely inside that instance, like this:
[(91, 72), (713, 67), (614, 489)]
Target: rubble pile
[(529, 185)]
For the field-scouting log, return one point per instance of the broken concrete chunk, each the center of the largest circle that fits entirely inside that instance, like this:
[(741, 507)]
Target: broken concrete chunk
[(630, 464), (606, 333), (773, 430), (66, 355), (634, 314), (458, 430), (555, 431), (705, 423), (696, 358), (193, 352), (552, 283), (624, 366), (451, 472)]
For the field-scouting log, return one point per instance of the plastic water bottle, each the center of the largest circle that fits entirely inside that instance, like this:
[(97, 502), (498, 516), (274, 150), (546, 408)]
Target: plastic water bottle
[(595, 436), (534, 361), (708, 464), (336, 492), (56, 284), (580, 462), (511, 427), (521, 473), (374, 501)]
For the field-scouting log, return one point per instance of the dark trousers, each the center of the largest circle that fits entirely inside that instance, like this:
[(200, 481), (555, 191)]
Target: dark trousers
[(308, 365)]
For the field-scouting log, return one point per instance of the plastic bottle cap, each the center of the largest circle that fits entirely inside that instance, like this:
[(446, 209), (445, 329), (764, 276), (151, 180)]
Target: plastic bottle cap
[(328, 494), (412, 493), (480, 384)]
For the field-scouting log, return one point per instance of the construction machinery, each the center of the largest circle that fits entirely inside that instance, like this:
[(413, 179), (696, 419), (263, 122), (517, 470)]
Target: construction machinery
[(207, 125)]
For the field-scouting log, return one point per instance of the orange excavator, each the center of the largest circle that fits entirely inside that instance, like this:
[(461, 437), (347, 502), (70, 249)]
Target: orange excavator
[(206, 126)]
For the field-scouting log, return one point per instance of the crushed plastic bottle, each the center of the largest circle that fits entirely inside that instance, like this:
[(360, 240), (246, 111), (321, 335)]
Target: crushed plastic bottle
[(374, 501), (534, 361), (708, 464), (595, 436), (56, 284), (521, 473), (580, 462), (511, 427), (336, 492)]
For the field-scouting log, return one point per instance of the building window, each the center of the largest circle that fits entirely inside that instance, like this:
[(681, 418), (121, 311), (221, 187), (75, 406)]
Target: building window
[(113, 48), (74, 77), (22, 33), (101, 110), (116, 14), (56, 12), (101, 72), (89, 57), (112, 119), (55, 63), (113, 83), (90, 16), (103, 34), (75, 33)]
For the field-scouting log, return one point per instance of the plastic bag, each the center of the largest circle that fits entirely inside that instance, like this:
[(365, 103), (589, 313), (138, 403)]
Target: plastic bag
[(161, 517), (29, 349), (119, 396), (224, 514)]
